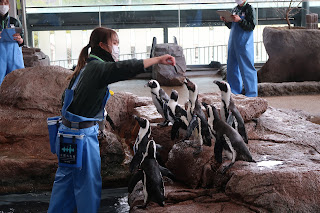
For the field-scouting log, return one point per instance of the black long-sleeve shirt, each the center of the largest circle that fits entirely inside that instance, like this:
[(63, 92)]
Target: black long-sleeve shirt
[(248, 22), (92, 85), (4, 24)]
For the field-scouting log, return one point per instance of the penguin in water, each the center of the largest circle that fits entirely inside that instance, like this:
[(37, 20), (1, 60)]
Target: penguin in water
[(160, 99), (229, 112), (227, 140), (151, 175), (196, 116)]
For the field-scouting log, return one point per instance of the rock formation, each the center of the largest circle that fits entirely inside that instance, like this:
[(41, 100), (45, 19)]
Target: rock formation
[(293, 55), (27, 98), (168, 75), (285, 178), (288, 88), (33, 57), (285, 144)]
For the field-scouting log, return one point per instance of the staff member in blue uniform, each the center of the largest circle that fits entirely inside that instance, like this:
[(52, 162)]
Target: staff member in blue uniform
[(10, 52), (240, 63), (84, 102)]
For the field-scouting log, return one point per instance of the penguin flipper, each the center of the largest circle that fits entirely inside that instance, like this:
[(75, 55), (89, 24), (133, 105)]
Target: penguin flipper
[(175, 130), (241, 126), (165, 111), (192, 125), (206, 135), (230, 119), (240, 122), (164, 123), (159, 158), (166, 172), (218, 148), (163, 95), (137, 176), (134, 164)]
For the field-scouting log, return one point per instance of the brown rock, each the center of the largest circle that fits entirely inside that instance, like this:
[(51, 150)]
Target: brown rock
[(33, 57), (288, 88), (293, 55), (168, 75), (26, 162), (113, 155), (43, 92), (186, 165), (249, 108), (285, 145)]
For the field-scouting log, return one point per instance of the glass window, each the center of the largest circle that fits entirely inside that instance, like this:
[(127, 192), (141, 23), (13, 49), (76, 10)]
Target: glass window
[(194, 24)]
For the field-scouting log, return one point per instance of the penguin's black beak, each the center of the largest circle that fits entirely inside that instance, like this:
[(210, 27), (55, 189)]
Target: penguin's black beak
[(147, 84), (185, 81), (218, 83), (141, 121), (204, 104)]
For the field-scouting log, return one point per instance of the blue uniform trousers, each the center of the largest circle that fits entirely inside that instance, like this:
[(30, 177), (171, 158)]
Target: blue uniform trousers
[(240, 63), (79, 188)]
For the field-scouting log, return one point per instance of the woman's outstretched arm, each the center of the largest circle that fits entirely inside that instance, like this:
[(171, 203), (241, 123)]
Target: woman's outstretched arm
[(164, 59)]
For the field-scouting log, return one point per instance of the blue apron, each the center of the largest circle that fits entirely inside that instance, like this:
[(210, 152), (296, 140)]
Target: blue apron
[(10, 53), (240, 63), (79, 188)]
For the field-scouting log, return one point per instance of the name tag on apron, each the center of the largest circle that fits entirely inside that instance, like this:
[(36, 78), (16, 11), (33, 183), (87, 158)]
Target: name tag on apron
[(70, 149)]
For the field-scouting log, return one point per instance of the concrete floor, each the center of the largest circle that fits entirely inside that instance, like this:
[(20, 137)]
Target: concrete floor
[(308, 103)]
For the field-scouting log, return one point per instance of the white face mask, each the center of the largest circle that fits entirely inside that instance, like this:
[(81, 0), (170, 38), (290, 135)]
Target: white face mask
[(4, 9), (115, 53), (239, 1)]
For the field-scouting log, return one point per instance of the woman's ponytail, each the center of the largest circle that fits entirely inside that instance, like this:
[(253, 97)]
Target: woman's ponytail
[(99, 34), (81, 61)]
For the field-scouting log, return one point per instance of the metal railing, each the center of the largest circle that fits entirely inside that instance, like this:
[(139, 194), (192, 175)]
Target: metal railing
[(193, 56)]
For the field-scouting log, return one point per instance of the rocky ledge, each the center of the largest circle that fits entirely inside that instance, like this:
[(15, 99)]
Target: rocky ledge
[(285, 178), (285, 144)]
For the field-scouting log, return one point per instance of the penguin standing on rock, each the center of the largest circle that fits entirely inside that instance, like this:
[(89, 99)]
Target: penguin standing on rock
[(227, 140), (229, 112), (150, 174), (160, 99), (141, 142), (196, 116), (176, 115)]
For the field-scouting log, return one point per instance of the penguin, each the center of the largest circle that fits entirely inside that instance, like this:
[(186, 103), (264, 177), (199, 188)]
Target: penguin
[(210, 121), (150, 174), (177, 115), (194, 108), (171, 106), (160, 99), (143, 134), (141, 142), (229, 112), (227, 140)]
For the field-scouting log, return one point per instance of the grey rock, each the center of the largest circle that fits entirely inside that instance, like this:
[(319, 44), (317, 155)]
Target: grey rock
[(166, 75), (293, 55), (288, 88)]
